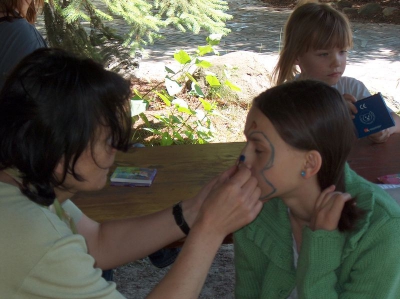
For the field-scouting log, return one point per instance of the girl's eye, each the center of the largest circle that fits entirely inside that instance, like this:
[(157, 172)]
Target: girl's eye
[(258, 151), (323, 54)]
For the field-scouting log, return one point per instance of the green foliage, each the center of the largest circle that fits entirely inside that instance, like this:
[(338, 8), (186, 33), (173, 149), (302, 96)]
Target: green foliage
[(186, 122), (140, 22)]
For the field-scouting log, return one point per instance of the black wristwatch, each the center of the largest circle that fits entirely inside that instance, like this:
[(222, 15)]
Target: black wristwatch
[(179, 219)]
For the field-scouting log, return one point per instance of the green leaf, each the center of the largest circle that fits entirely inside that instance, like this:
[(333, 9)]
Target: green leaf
[(190, 77), (206, 105), (145, 119), (166, 139), (232, 86), (203, 50), (178, 136), (203, 63), (169, 70), (214, 39), (185, 110), (197, 90), (175, 120), (213, 81), (182, 57), (164, 98)]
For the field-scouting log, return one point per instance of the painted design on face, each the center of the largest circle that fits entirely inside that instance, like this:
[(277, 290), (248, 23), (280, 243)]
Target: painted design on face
[(268, 186)]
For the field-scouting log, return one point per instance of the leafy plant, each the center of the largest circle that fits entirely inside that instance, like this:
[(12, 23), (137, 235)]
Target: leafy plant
[(186, 122), (140, 22)]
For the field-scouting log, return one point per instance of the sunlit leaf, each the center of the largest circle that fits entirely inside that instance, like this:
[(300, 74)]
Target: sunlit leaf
[(182, 57), (138, 106), (232, 86), (213, 81), (203, 63), (180, 102), (164, 98), (190, 77), (206, 105), (172, 86), (203, 50), (214, 39)]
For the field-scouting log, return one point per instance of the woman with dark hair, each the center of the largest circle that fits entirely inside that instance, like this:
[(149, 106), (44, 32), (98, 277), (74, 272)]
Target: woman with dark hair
[(62, 119), (324, 232), (18, 35)]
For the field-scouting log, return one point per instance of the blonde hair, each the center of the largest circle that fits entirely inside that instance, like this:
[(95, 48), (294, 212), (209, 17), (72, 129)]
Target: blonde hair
[(311, 26)]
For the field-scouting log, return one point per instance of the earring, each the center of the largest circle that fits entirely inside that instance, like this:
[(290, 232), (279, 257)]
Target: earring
[(303, 173)]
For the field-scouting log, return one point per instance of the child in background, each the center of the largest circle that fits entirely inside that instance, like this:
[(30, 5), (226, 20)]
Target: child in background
[(316, 39), (311, 240)]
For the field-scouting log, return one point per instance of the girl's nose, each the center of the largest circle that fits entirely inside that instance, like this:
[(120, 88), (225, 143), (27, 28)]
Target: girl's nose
[(336, 60)]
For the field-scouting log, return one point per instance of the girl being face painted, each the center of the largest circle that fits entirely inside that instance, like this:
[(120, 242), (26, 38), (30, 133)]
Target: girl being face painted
[(274, 163)]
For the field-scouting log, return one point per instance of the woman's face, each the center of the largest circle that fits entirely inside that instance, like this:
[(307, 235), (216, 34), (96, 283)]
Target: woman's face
[(93, 165), (276, 165)]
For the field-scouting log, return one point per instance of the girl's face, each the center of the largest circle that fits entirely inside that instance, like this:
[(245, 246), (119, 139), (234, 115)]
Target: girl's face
[(276, 165), (93, 165), (323, 65)]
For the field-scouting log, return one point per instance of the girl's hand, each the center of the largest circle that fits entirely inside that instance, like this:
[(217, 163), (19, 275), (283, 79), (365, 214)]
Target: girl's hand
[(350, 103), (380, 137), (328, 209)]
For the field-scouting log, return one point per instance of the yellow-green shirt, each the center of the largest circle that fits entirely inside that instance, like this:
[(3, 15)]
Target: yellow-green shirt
[(40, 257)]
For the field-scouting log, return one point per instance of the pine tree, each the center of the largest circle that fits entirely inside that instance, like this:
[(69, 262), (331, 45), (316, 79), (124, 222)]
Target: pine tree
[(83, 26)]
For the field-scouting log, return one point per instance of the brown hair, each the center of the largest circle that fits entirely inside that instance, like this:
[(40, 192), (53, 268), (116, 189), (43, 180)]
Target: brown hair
[(12, 7), (311, 26), (310, 115)]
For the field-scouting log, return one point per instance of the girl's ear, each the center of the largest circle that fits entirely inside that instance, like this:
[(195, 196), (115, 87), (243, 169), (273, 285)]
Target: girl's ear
[(313, 161)]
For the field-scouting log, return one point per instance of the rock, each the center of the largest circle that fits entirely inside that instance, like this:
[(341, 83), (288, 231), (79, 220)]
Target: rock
[(389, 11), (248, 70), (344, 4), (370, 9), (350, 11)]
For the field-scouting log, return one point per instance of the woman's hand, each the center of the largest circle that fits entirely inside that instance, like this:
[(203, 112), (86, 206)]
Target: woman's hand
[(232, 202), (191, 207), (328, 209)]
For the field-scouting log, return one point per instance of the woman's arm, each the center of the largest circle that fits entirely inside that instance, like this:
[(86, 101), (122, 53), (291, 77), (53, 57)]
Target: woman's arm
[(118, 242)]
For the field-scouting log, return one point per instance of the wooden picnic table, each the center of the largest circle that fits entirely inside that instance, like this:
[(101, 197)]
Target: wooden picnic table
[(184, 169)]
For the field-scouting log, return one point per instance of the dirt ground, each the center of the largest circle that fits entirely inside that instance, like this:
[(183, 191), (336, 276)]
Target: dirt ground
[(137, 279)]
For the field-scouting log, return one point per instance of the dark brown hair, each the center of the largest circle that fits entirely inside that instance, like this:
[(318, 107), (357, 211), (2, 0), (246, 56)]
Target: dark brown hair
[(51, 109), (11, 7), (310, 115)]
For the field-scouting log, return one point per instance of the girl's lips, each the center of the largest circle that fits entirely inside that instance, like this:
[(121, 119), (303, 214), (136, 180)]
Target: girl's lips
[(335, 75)]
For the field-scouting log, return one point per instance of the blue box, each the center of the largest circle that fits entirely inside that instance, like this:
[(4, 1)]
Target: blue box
[(373, 116)]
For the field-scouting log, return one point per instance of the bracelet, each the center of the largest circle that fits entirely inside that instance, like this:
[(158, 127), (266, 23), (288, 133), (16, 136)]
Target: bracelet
[(179, 219)]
